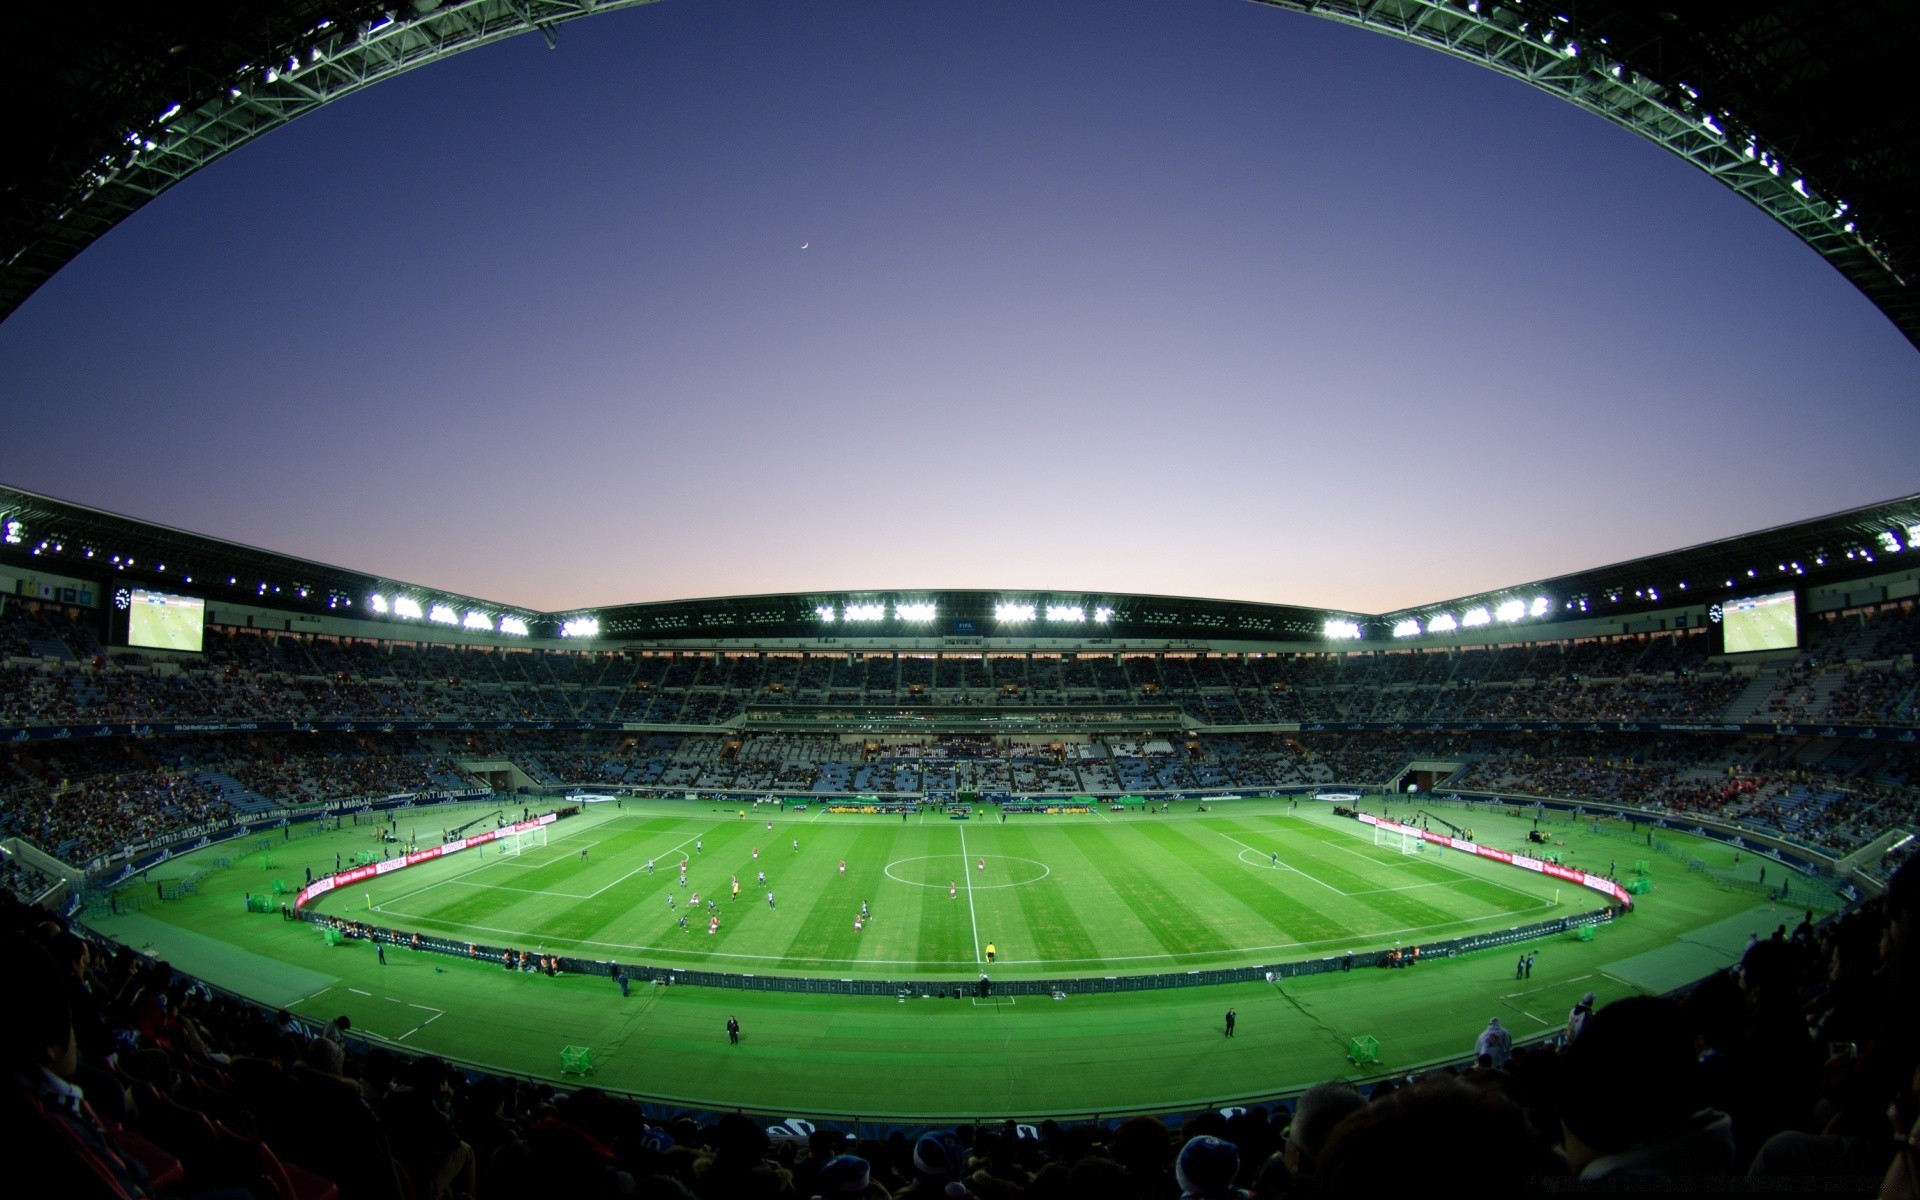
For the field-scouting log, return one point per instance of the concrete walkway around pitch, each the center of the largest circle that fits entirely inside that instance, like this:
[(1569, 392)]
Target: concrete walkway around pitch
[(1697, 952), (266, 980)]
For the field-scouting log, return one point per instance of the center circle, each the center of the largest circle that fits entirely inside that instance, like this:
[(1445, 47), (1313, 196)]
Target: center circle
[(1001, 872)]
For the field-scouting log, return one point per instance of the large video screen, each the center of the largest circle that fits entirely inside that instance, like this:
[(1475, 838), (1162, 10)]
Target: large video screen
[(1768, 622), (163, 621)]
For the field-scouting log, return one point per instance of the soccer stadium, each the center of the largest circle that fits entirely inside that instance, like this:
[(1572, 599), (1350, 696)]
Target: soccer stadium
[(328, 882)]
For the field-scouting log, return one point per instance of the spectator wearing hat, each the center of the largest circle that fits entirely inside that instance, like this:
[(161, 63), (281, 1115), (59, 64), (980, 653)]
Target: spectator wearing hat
[(1577, 1018), (938, 1160), (1206, 1167), (847, 1175), (1495, 1044)]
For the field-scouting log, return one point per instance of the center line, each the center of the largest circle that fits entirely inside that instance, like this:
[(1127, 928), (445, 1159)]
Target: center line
[(966, 865)]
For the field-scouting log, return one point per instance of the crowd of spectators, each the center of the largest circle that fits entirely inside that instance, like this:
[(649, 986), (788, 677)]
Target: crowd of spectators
[(249, 675), (86, 797)]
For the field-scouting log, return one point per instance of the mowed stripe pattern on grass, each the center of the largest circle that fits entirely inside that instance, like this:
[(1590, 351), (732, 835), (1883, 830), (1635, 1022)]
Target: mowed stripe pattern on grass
[(1056, 897)]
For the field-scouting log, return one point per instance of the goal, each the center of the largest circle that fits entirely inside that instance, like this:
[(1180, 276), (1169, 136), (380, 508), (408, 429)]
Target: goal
[(514, 843), (1404, 840)]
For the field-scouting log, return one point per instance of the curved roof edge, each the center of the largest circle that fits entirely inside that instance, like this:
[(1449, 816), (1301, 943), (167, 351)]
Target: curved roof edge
[(73, 540), (1798, 106)]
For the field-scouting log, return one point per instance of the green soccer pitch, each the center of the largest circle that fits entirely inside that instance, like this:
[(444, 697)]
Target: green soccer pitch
[(1100, 894)]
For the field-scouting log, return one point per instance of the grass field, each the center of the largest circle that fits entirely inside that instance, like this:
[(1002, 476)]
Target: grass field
[(1248, 883), (1054, 895)]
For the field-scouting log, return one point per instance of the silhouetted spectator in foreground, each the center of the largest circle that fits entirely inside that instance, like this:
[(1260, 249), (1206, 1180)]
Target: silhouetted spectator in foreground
[(1630, 1100)]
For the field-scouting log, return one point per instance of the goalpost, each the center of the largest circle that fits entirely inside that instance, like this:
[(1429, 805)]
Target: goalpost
[(1405, 841), (514, 843)]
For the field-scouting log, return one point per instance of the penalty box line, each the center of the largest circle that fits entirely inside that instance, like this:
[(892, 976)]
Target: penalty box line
[(1287, 866)]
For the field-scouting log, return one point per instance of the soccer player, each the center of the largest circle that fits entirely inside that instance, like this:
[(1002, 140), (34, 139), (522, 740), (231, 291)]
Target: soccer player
[(696, 899), (858, 924), (953, 890), (583, 854), (756, 854), (796, 845), (990, 951), (683, 877), (1274, 861), (698, 845), (713, 926), (649, 866), (763, 879), (736, 889), (983, 864), (669, 901), (683, 922), (843, 867), (769, 899), (863, 909)]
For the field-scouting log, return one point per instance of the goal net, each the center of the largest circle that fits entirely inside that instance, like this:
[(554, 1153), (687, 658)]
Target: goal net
[(1405, 841), (526, 839)]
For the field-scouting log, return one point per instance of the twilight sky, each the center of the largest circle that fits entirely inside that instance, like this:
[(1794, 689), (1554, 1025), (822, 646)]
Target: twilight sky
[(1175, 296)]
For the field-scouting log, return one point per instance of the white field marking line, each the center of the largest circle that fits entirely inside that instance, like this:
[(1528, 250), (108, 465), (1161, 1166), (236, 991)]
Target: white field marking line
[(479, 865), (428, 1007), (315, 995), (503, 887), (1411, 887), (1523, 1012), (435, 1017), (409, 1033), (482, 864), (966, 865), (358, 992), (643, 866), (1286, 866), (993, 1002), (1410, 861), (631, 947), (1549, 987)]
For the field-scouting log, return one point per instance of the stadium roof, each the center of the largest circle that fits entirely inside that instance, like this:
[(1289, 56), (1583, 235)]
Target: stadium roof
[(1795, 104), (72, 540)]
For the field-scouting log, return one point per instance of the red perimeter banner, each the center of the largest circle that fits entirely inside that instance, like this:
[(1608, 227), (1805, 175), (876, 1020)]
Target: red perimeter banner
[(321, 887), (1598, 883)]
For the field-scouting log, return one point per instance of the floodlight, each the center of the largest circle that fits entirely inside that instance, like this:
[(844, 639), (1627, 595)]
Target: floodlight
[(866, 612), (1444, 623), (823, 611), (1541, 604), (1336, 628), (1066, 614), (477, 620), (377, 603), (918, 610), (406, 606), (1475, 616), (1511, 610), (1102, 615), (581, 627), (1406, 628), (1008, 612), (16, 531), (1890, 541), (443, 614), (513, 625)]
